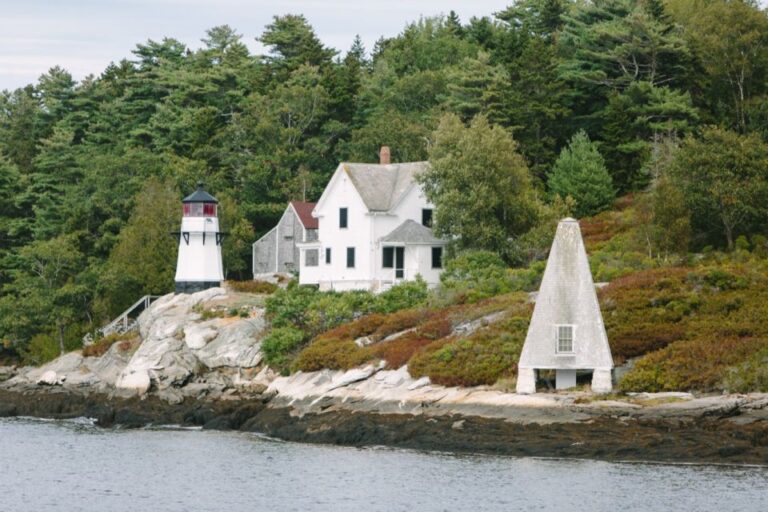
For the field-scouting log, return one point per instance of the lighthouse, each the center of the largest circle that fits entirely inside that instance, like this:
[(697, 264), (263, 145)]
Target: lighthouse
[(199, 265)]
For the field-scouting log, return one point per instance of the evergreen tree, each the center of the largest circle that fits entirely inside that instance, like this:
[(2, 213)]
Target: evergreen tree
[(580, 173)]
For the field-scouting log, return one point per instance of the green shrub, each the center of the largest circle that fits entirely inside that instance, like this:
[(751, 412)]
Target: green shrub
[(476, 275), (333, 354), (405, 295), (288, 307), (723, 280), (483, 357), (699, 364), (527, 279), (279, 343), (749, 376), (253, 286), (41, 349)]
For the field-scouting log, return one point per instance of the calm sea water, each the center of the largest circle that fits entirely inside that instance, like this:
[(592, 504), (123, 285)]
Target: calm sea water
[(74, 466)]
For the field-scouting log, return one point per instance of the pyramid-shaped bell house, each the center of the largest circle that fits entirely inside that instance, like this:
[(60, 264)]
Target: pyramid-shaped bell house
[(566, 333)]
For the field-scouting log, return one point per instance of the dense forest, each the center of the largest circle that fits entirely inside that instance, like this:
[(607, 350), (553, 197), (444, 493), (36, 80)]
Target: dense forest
[(545, 108)]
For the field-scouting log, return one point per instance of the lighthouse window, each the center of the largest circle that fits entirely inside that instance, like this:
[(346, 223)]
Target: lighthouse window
[(209, 210), (194, 209), (565, 339)]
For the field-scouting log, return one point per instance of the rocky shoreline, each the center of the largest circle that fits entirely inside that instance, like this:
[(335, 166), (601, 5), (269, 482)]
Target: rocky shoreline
[(730, 435), (190, 366)]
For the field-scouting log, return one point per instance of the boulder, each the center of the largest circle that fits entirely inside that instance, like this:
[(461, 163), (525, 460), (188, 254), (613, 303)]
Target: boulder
[(134, 380), (238, 345), (419, 383), (351, 376), (108, 367), (50, 378), (196, 336)]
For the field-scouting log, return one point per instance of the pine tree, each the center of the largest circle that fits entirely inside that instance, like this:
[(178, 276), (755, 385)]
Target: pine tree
[(580, 173)]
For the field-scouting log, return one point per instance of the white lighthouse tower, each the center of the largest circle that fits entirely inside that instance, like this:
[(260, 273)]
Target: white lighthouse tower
[(199, 265)]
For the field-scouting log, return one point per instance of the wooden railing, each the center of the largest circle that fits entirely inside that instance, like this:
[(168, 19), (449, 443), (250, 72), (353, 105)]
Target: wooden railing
[(123, 323)]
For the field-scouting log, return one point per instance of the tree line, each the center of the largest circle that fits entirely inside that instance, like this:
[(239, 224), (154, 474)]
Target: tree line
[(545, 108)]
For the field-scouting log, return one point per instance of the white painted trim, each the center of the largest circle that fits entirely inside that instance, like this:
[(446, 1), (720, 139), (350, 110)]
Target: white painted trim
[(572, 352)]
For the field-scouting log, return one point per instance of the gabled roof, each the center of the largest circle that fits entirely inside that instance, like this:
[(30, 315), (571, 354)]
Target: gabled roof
[(304, 211), (382, 186), (199, 196), (411, 232)]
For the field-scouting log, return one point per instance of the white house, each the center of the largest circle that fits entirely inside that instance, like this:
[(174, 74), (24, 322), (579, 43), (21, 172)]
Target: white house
[(373, 229), (277, 250), (566, 333)]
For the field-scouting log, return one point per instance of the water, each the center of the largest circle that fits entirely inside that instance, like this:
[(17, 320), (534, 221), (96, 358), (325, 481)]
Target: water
[(74, 466)]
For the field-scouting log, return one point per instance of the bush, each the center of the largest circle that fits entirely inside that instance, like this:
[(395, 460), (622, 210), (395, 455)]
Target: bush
[(253, 286), (280, 342), (749, 376), (330, 353), (41, 349), (405, 295), (101, 346), (483, 357), (477, 275), (699, 364), (288, 307)]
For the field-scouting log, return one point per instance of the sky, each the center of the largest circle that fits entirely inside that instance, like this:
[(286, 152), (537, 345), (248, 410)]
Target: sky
[(84, 36)]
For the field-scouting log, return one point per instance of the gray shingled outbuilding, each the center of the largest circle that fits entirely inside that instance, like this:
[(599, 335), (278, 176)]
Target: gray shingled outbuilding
[(566, 333)]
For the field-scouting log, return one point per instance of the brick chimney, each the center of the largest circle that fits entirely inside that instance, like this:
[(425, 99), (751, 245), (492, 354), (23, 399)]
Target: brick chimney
[(384, 157)]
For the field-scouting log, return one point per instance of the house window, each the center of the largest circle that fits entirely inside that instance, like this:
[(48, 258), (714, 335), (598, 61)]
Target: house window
[(327, 255), (311, 258), (565, 339), (342, 217), (388, 257), (311, 235), (437, 257), (350, 257), (426, 217)]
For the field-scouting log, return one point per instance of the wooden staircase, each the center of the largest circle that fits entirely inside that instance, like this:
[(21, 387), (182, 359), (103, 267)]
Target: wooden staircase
[(125, 322)]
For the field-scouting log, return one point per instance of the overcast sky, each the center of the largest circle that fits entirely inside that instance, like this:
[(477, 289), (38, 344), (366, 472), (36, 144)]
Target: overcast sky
[(84, 36)]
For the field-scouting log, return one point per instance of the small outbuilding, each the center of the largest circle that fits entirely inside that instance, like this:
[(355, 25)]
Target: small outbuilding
[(566, 333), (277, 251)]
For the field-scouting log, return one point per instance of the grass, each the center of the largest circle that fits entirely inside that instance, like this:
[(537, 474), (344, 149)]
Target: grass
[(101, 346)]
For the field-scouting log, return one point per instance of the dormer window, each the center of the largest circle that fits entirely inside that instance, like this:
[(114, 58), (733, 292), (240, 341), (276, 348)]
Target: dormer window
[(426, 217), (565, 336), (342, 218)]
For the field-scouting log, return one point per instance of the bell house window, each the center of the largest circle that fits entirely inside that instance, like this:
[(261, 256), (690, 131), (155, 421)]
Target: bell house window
[(565, 339), (343, 218)]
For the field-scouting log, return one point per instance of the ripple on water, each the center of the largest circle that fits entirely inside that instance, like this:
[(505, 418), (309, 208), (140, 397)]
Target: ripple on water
[(74, 466)]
